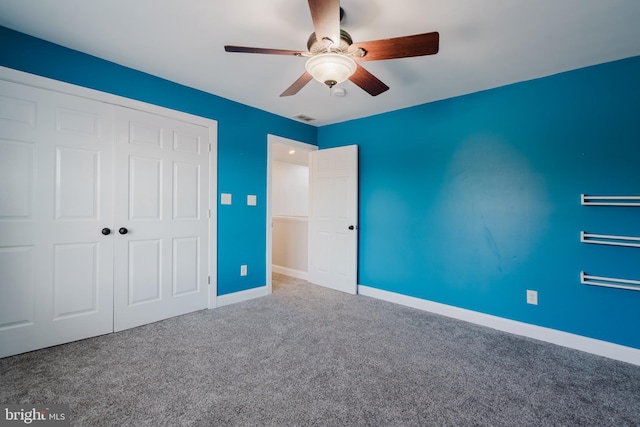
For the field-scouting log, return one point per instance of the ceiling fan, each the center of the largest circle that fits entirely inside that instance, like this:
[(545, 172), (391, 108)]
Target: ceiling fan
[(334, 57)]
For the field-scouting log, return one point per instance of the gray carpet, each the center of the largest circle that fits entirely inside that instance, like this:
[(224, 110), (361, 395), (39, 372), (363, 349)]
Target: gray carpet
[(306, 355)]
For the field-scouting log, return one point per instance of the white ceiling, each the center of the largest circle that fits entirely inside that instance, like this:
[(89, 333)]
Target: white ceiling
[(483, 44)]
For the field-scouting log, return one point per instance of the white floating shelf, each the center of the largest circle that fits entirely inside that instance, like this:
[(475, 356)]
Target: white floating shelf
[(609, 282), (629, 201), (608, 239)]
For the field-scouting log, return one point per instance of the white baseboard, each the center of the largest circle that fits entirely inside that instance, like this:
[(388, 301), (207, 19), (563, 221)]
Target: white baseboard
[(241, 296), (298, 274), (565, 339)]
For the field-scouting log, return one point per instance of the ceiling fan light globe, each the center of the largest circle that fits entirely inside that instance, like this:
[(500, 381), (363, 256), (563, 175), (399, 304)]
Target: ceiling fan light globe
[(330, 68)]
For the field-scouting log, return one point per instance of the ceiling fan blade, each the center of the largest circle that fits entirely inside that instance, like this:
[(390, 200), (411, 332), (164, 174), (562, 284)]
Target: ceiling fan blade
[(399, 47), (368, 82), (297, 85), (326, 19), (245, 49)]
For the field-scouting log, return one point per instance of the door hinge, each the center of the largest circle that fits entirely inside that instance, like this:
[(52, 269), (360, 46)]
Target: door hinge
[(209, 213), (209, 147), (209, 280)]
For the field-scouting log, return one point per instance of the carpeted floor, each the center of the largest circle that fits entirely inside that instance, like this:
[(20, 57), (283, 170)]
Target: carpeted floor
[(306, 355)]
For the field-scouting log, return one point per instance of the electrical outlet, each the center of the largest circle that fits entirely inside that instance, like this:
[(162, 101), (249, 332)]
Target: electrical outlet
[(243, 270), (532, 297)]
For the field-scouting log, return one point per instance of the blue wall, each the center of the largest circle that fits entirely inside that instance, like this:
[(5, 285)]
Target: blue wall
[(473, 200), (242, 141)]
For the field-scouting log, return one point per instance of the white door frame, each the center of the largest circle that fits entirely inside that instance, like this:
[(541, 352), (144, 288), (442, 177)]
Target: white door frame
[(15, 76), (271, 140)]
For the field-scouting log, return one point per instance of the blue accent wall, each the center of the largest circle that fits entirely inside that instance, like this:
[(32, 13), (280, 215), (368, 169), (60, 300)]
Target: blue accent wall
[(242, 141), (473, 200)]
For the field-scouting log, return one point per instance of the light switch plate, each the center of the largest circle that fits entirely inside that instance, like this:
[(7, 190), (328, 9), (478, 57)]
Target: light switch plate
[(252, 200), (225, 199), (243, 270)]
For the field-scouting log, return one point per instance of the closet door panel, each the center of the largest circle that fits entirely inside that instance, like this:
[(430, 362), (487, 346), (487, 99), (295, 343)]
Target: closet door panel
[(162, 170), (55, 187)]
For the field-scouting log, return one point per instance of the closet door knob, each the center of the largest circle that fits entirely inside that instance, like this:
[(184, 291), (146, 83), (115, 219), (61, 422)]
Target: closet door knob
[(123, 230), (106, 231), (352, 227)]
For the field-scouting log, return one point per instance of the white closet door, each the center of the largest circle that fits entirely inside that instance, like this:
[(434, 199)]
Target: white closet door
[(161, 200), (56, 267)]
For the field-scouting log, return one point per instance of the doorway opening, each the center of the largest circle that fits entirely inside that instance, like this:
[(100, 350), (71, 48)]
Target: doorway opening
[(287, 208)]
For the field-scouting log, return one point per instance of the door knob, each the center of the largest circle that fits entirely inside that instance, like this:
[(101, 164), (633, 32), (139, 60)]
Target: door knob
[(123, 230), (352, 227), (106, 231)]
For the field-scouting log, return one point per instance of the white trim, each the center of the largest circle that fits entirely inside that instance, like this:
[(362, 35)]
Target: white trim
[(241, 296), (213, 215), (275, 139), (298, 274), (21, 77), (553, 336)]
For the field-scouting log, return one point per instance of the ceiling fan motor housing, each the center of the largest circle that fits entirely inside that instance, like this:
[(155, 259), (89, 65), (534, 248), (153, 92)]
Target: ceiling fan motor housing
[(316, 46)]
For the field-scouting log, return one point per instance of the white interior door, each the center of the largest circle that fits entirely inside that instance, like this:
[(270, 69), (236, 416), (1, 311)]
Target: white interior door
[(56, 275), (333, 214), (161, 206)]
